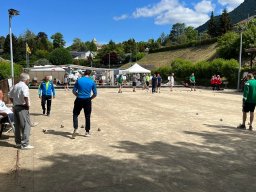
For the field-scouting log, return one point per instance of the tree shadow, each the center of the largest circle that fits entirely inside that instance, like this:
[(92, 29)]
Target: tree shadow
[(58, 133), (216, 161)]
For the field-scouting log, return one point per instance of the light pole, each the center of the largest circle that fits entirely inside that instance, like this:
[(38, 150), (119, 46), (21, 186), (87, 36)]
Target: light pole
[(109, 60), (12, 12), (240, 60)]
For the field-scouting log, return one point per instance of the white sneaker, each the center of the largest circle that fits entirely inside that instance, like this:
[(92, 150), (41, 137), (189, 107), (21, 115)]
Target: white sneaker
[(27, 147), (75, 133), (87, 134)]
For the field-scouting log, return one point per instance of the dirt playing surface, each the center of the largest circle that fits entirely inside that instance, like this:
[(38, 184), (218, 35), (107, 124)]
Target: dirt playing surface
[(180, 141)]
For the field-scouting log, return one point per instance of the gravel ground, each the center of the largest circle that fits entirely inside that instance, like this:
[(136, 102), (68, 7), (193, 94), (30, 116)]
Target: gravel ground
[(170, 141)]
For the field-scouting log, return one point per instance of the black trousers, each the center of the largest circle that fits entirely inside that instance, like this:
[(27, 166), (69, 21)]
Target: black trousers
[(80, 104), (46, 99)]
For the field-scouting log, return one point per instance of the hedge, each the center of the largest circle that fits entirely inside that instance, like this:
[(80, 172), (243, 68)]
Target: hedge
[(5, 70), (203, 70)]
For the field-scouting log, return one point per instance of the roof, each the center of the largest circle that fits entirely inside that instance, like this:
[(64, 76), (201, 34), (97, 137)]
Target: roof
[(136, 68)]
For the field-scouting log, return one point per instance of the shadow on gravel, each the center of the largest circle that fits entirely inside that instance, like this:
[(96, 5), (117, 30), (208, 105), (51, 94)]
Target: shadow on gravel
[(222, 161), (36, 114)]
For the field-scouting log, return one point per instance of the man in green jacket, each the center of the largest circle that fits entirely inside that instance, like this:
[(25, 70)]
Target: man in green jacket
[(249, 101)]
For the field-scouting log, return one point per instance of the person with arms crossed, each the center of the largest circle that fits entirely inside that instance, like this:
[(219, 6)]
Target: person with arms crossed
[(83, 89)]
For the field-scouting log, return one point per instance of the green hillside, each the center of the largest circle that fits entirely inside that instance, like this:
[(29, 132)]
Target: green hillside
[(194, 54), (247, 8)]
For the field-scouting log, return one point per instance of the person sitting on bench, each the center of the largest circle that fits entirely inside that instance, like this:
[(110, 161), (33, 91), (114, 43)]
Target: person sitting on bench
[(6, 114)]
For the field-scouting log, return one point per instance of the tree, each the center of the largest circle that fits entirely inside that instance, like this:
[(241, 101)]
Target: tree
[(5, 70), (228, 45), (2, 39), (42, 41), (191, 33), (225, 23), (163, 38), (58, 41), (177, 30), (212, 26), (60, 56), (30, 38)]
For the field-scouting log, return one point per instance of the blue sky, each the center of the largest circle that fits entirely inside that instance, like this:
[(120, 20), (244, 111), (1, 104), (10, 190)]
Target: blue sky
[(116, 20)]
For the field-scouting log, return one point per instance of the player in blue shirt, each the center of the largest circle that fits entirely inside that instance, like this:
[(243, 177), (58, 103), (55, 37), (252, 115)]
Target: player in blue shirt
[(83, 89)]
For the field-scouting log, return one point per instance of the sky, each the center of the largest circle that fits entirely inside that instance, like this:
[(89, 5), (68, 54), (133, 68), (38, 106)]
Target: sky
[(105, 20)]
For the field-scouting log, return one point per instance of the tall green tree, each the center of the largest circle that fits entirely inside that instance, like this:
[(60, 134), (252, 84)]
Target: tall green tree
[(29, 37), (177, 30), (191, 34), (225, 23), (7, 46), (42, 41), (212, 26), (58, 40), (2, 39)]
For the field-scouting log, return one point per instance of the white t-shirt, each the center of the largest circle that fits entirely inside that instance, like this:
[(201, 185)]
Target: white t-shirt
[(19, 92), (4, 109), (172, 80)]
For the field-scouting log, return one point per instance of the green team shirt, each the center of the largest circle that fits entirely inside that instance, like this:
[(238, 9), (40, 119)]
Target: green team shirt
[(120, 80), (192, 79), (250, 91), (147, 78)]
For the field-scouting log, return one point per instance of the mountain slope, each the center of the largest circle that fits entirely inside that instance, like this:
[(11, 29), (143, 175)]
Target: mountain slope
[(247, 8)]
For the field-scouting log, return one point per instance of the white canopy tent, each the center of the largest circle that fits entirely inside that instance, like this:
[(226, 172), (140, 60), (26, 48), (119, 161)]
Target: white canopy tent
[(136, 68)]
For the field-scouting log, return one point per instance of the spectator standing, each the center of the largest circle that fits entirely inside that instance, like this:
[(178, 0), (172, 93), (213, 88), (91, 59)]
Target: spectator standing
[(66, 82), (218, 82), (134, 82), (171, 81), (147, 81), (159, 82), (19, 96), (46, 92), (83, 89), (154, 83)]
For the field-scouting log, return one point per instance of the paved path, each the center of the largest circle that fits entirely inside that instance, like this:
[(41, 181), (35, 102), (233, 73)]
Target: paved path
[(181, 141)]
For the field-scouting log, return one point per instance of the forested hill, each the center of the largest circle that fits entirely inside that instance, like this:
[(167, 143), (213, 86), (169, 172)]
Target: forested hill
[(248, 7)]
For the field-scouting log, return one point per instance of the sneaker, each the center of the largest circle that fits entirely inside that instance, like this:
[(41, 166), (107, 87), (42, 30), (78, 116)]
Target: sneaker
[(87, 134), (18, 145), (75, 133), (241, 126), (27, 147), (250, 128)]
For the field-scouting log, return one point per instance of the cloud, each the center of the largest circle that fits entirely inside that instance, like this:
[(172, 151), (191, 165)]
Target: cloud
[(230, 4), (168, 12), (204, 7), (122, 17), (172, 11)]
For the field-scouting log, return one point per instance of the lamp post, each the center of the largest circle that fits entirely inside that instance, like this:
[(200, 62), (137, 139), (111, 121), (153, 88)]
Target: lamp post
[(12, 12), (240, 60), (109, 60)]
